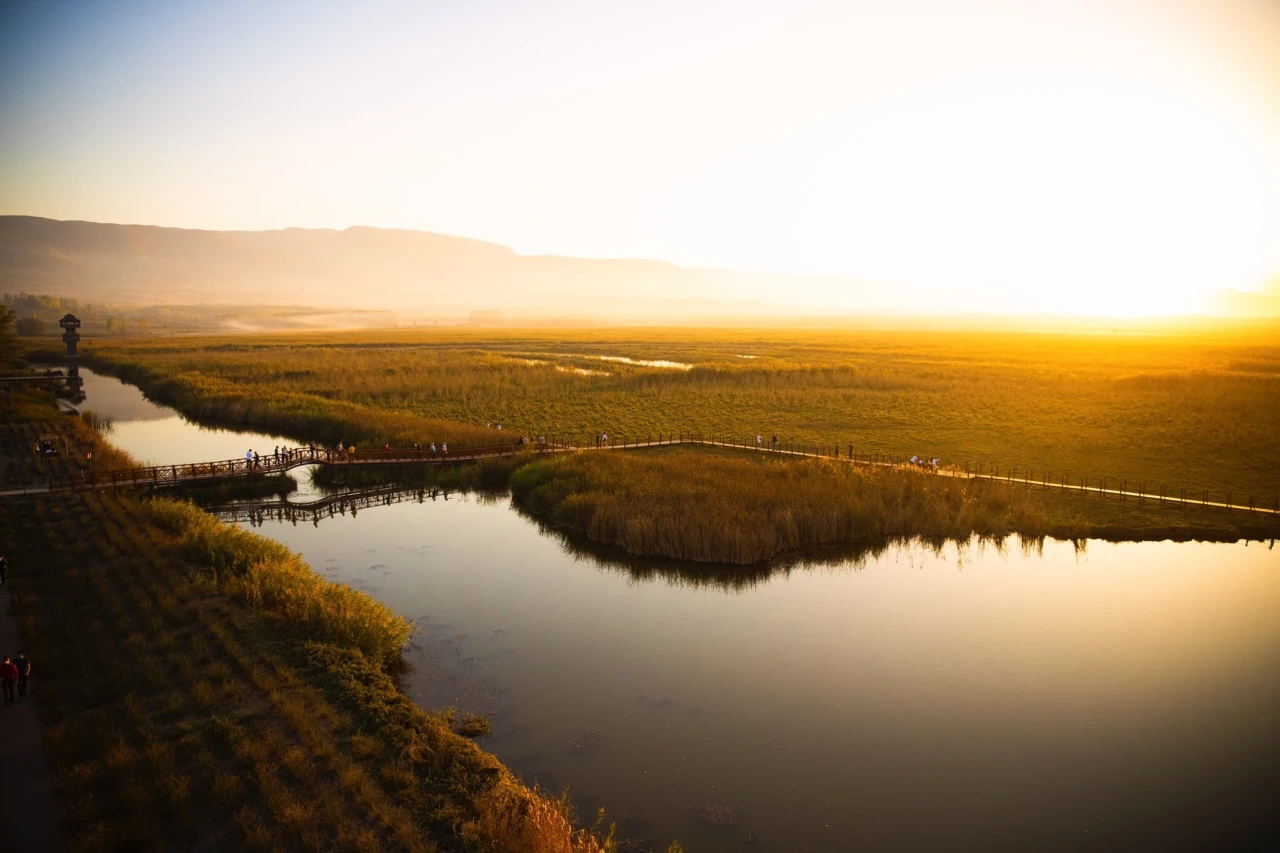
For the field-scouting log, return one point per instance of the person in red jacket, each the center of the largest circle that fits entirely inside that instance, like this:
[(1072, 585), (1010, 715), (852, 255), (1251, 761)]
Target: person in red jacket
[(8, 677)]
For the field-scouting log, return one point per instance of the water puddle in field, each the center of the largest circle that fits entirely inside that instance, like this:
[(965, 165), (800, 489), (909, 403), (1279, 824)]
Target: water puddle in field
[(1120, 697), (673, 365), (618, 359)]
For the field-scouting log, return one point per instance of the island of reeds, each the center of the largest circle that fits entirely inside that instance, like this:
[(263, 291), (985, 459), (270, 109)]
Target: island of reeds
[(743, 507)]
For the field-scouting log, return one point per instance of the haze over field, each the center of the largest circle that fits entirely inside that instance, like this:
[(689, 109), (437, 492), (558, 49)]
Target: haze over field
[(922, 156), (436, 275)]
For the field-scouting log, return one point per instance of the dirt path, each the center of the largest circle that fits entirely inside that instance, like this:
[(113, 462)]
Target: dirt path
[(28, 810)]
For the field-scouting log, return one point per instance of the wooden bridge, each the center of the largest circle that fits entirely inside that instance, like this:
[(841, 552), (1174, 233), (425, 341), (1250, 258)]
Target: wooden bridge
[(288, 458), (283, 460), (315, 511)]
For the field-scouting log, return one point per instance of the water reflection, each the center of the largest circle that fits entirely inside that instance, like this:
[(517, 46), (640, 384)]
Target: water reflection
[(336, 502), (905, 696), (919, 696), (157, 435)]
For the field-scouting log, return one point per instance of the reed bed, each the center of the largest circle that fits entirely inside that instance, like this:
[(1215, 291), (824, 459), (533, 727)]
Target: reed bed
[(1178, 410), (270, 577), (692, 503), (717, 508)]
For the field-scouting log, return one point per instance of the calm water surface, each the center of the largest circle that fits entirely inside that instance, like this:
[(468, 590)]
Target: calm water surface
[(157, 435), (1120, 697)]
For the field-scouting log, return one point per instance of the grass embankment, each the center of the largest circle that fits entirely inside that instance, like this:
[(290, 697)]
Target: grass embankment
[(198, 686), (322, 417), (731, 507), (1172, 410)]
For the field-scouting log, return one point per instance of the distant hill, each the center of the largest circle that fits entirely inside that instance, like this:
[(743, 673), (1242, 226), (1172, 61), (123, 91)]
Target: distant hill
[(372, 268), (356, 267), (437, 276)]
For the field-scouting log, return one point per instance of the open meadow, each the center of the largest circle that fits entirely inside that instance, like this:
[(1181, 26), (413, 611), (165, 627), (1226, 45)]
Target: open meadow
[(1191, 410)]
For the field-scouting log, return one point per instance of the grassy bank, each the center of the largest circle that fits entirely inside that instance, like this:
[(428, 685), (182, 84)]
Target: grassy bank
[(324, 418), (734, 507), (200, 687), (1178, 411)]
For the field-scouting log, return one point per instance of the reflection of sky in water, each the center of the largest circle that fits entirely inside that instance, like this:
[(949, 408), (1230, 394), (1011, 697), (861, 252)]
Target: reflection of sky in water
[(156, 435), (1120, 699), (1000, 698)]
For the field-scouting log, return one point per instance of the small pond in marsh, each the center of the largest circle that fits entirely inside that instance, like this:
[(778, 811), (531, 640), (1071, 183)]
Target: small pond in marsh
[(1114, 697)]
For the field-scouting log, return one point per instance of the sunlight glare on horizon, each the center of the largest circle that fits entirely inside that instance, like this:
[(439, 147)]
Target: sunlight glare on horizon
[(1084, 157)]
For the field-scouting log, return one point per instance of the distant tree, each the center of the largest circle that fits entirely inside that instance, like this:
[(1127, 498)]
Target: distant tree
[(7, 319), (30, 326)]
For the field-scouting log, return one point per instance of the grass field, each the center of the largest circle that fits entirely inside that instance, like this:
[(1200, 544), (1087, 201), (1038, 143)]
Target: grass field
[(200, 688), (1180, 411), (725, 506)]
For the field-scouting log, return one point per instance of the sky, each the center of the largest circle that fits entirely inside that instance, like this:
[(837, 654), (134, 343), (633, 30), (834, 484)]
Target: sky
[(1091, 156)]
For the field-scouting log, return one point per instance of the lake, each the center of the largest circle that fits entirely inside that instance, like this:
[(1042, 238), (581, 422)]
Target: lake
[(1101, 697)]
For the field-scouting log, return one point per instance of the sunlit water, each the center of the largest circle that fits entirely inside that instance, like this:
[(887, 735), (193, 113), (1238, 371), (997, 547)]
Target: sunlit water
[(157, 435), (1123, 697)]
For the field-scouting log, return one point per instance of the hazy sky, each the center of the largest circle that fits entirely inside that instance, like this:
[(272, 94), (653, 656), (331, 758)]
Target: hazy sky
[(1058, 155)]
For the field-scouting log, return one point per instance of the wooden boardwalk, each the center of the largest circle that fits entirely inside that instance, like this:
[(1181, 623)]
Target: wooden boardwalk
[(326, 507), (288, 458)]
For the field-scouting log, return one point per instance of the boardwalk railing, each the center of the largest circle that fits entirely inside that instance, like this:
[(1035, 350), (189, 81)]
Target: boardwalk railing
[(289, 458), (283, 460)]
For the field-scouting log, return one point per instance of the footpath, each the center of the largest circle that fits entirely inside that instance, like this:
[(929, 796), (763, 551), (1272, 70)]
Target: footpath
[(29, 817)]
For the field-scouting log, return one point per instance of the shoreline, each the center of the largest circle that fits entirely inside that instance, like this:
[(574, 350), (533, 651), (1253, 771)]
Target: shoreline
[(274, 633)]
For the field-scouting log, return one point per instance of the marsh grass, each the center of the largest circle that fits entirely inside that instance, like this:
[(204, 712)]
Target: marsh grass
[(711, 507), (270, 577), (1181, 410), (689, 503)]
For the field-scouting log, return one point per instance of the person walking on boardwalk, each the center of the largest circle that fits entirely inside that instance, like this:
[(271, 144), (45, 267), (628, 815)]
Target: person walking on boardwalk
[(4, 571), (8, 677), (23, 663)]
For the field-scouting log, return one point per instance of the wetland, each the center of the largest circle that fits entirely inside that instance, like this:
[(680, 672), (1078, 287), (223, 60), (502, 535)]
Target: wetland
[(1044, 694)]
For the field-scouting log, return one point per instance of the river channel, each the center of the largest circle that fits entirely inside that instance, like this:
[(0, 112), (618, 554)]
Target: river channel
[(1104, 697)]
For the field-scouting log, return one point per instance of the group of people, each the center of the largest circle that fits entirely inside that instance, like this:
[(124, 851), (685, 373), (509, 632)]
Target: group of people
[(431, 448), (773, 442), (15, 671), (280, 454), (925, 464)]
